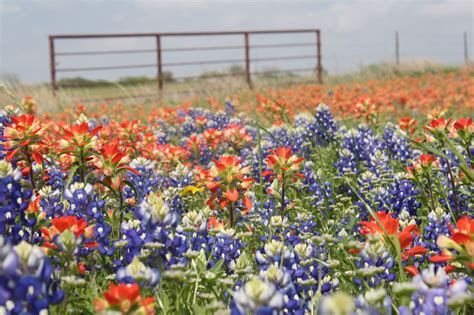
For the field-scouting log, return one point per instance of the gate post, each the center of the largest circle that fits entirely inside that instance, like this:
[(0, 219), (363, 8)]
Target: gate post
[(247, 60), (319, 67), (52, 65), (159, 72)]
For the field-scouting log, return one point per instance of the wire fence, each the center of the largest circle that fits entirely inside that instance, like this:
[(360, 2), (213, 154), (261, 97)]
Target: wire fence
[(178, 57), (244, 62)]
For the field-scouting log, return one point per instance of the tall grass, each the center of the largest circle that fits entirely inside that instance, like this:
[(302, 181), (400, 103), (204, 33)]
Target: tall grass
[(198, 91)]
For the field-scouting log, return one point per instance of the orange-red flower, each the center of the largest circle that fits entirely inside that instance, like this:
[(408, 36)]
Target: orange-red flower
[(392, 227), (438, 124), (24, 131), (458, 247), (126, 299), (214, 223), (463, 124), (79, 227), (282, 160), (424, 162), (114, 160), (427, 159), (412, 270), (228, 177), (212, 137), (34, 206), (366, 108), (79, 135), (236, 136), (408, 123)]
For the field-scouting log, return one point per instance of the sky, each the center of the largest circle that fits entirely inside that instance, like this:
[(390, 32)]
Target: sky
[(354, 33)]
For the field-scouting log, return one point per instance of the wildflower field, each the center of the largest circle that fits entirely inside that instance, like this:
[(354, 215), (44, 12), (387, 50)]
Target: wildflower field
[(278, 205)]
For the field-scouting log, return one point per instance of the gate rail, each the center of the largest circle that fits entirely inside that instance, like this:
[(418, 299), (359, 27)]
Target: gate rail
[(159, 49)]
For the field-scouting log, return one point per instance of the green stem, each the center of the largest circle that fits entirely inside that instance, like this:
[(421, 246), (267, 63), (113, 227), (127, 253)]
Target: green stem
[(231, 215), (453, 184), (121, 215), (282, 193), (82, 167), (30, 165), (430, 192)]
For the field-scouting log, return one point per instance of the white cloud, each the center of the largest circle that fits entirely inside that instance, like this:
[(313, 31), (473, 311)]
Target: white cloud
[(446, 9), (8, 7)]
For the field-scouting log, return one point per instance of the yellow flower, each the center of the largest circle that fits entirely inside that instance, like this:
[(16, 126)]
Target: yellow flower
[(191, 190)]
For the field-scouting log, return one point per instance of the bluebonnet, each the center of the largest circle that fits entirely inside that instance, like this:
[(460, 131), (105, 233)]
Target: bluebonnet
[(374, 266), (84, 202), (257, 296), (26, 283), (136, 271), (229, 108), (374, 302), (4, 120), (437, 225), (327, 128), (14, 200), (144, 183), (50, 202), (397, 143), (433, 294), (56, 177), (403, 196), (311, 182)]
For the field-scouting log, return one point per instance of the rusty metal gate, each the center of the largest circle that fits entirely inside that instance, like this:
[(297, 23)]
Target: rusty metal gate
[(159, 49)]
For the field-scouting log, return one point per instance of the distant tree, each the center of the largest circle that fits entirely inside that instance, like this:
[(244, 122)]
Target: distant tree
[(138, 80), (272, 73), (210, 74), (236, 70), (78, 82), (168, 76)]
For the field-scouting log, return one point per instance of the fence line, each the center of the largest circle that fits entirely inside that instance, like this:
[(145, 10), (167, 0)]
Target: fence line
[(158, 50)]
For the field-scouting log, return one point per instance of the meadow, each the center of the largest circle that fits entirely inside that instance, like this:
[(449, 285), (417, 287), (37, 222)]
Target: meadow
[(353, 197)]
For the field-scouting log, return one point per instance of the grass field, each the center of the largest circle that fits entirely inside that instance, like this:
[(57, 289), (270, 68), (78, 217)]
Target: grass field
[(198, 91)]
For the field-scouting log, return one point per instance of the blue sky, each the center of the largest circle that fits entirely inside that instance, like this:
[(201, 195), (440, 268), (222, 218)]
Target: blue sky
[(354, 33)]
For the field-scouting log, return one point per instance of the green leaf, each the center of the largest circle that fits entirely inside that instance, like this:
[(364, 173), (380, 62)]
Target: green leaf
[(217, 266), (132, 186), (70, 177), (165, 301), (109, 187)]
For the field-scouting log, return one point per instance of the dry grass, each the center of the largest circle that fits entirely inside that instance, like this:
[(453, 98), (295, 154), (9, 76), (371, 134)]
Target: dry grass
[(173, 93), (199, 90)]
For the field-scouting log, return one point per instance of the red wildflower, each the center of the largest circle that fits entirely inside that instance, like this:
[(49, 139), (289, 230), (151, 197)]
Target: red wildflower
[(67, 223), (125, 297), (463, 124), (34, 206), (215, 223), (236, 136), (114, 160), (408, 123), (427, 159), (438, 124), (412, 270), (79, 135), (282, 160), (392, 227), (81, 268), (228, 176), (24, 132), (212, 137), (460, 246)]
